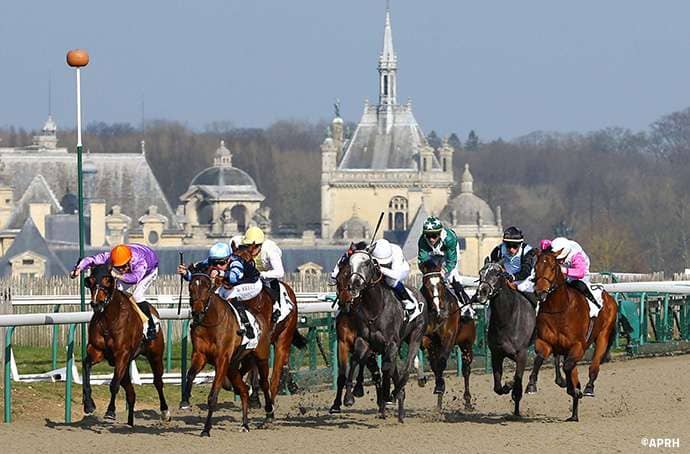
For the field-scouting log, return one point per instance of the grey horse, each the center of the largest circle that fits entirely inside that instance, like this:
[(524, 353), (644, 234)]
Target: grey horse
[(381, 327)]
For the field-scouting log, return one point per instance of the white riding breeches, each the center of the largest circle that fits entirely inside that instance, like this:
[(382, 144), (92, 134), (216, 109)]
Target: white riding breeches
[(453, 276), (138, 290), (525, 286), (243, 292)]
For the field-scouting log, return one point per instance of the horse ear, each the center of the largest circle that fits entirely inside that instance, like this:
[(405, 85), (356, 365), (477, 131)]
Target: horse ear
[(486, 260)]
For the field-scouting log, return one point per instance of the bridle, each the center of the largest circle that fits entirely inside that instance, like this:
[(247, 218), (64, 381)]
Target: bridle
[(492, 288), (435, 297), (198, 317), (367, 284), (95, 304)]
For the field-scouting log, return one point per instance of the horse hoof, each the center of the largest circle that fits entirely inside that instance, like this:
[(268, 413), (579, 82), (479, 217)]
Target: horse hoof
[(254, 403), (185, 406), (561, 383), (358, 391), (244, 428), (205, 433), (349, 400), (531, 389), (165, 416), (589, 391), (110, 415), (440, 389), (293, 388), (421, 382), (334, 410), (573, 419)]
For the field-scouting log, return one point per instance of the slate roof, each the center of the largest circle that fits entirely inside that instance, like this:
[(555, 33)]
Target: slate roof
[(37, 190), (30, 239)]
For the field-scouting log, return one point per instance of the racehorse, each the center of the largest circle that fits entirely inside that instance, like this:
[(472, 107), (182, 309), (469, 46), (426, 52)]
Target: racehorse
[(283, 335), (511, 328), (381, 327), (116, 334), (347, 334), (565, 328), (446, 328), (216, 339)]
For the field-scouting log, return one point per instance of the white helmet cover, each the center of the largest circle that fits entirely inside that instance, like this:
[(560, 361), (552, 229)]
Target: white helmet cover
[(383, 252), (562, 247)]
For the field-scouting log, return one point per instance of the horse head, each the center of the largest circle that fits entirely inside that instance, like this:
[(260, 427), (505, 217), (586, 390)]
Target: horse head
[(548, 275), (433, 285), (491, 278), (101, 283), (201, 288), (364, 272)]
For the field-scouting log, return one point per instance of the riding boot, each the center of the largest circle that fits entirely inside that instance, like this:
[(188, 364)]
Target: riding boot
[(404, 297), (247, 327), (460, 294), (584, 289), (272, 286), (151, 325)]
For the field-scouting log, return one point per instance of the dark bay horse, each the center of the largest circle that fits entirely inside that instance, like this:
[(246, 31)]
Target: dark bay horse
[(565, 328), (216, 340), (116, 335), (381, 327), (346, 330), (446, 328), (511, 331)]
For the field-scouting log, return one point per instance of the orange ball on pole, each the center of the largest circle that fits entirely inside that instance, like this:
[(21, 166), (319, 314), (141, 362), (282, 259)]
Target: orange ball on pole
[(77, 58)]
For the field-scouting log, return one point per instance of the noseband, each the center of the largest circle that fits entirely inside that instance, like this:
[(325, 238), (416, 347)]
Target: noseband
[(552, 285), (367, 284), (207, 303), (100, 306)]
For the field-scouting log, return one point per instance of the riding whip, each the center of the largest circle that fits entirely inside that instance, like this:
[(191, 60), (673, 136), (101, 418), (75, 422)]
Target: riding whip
[(179, 302), (378, 224)]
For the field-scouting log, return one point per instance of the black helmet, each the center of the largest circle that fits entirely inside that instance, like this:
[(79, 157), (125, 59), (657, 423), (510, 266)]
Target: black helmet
[(513, 235)]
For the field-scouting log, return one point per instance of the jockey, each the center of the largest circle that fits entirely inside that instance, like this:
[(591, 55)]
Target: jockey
[(439, 240), (268, 259), (518, 259), (395, 269), (133, 265), (217, 261), (574, 265)]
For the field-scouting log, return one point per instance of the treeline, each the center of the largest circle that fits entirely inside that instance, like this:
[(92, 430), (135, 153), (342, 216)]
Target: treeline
[(624, 195)]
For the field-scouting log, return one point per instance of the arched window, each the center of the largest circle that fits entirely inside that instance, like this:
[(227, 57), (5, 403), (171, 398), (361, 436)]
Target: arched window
[(204, 213), (385, 85), (397, 214), (239, 214)]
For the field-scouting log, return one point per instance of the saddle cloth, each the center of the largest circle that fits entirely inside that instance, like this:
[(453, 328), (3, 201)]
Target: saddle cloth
[(418, 305), (284, 305), (467, 310), (249, 344), (597, 292)]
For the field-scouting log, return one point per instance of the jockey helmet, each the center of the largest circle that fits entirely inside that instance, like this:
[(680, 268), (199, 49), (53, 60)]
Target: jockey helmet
[(219, 251), (383, 252), (120, 255), (561, 247), (432, 226), (253, 235), (513, 235)]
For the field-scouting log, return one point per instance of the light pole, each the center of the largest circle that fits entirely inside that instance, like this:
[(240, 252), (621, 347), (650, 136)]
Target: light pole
[(79, 58)]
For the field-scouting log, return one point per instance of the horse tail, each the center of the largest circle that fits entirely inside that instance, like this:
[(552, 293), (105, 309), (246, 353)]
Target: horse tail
[(298, 340), (612, 337)]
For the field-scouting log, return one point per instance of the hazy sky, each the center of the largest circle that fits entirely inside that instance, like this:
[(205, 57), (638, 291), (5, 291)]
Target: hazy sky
[(504, 68)]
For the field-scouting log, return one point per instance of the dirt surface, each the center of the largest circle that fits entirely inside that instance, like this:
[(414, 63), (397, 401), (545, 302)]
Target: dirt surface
[(635, 399)]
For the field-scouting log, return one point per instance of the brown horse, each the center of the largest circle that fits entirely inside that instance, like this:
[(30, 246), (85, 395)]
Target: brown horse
[(565, 328), (283, 335), (116, 335), (216, 340), (446, 329), (346, 331)]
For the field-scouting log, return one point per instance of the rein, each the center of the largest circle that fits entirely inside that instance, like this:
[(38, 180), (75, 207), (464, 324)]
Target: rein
[(207, 303)]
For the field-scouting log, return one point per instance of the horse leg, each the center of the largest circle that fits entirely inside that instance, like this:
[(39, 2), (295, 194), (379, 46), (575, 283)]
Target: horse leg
[(497, 368), (572, 382), (359, 354), (221, 372), (121, 368), (126, 384), (543, 350), (560, 379), (198, 363), (375, 372), (242, 389), (156, 361), (253, 378), (467, 357), (600, 348), (421, 376), (262, 367), (343, 354), (358, 390), (403, 376), (93, 356), (282, 353), (520, 363)]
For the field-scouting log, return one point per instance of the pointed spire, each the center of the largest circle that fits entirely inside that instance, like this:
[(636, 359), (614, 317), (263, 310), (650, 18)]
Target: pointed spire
[(388, 53), (467, 181)]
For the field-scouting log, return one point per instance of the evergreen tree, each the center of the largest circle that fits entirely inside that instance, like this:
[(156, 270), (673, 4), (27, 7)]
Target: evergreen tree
[(454, 141), (472, 143), (433, 139)]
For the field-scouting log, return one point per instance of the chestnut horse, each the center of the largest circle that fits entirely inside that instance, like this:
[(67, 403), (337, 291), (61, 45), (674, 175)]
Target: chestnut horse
[(446, 329), (216, 340), (116, 334), (346, 331), (565, 328)]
